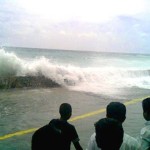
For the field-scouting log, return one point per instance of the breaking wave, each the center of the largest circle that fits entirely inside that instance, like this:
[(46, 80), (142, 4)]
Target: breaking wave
[(43, 72)]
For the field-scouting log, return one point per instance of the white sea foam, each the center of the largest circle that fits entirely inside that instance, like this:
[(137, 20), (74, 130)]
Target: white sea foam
[(89, 79)]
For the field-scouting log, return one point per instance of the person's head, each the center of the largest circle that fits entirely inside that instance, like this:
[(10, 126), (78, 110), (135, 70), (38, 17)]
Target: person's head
[(109, 134), (65, 111), (146, 108), (117, 111)]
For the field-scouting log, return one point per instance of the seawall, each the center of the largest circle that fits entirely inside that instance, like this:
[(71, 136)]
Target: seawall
[(26, 81)]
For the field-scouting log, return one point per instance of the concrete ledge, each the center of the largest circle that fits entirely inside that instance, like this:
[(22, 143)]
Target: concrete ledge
[(26, 81)]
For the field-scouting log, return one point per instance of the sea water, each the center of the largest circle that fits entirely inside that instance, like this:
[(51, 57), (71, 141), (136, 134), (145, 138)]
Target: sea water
[(87, 80), (94, 72)]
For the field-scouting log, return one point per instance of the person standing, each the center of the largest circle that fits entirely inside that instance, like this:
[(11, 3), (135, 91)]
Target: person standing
[(144, 138), (116, 110), (65, 133), (109, 134)]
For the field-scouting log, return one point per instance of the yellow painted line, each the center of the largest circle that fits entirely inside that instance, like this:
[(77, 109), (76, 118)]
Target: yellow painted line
[(19, 133), (134, 101), (88, 114)]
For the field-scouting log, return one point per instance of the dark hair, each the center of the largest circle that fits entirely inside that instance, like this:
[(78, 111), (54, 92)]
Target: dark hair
[(146, 105), (109, 134), (117, 111), (65, 109)]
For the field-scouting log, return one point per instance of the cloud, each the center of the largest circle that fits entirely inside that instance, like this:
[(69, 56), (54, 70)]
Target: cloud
[(122, 32)]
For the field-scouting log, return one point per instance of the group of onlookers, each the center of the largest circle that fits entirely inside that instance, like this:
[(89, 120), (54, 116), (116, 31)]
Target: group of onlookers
[(109, 133)]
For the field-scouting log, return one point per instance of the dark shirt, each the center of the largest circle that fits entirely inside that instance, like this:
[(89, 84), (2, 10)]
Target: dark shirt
[(46, 138), (68, 133)]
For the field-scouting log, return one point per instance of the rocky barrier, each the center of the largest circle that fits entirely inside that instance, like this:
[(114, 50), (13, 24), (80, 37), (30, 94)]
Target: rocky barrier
[(26, 81)]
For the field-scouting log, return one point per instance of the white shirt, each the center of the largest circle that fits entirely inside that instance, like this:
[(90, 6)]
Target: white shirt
[(129, 143), (144, 138)]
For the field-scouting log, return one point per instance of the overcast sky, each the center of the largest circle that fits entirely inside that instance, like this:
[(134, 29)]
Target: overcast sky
[(95, 25)]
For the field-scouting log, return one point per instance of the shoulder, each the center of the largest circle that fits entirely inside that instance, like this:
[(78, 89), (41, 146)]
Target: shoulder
[(54, 121), (41, 129), (92, 145), (145, 133), (46, 130), (40, 134), (69, 125), (46, 136), (129, 138), (93, 136), (145, 129), (129, 142)]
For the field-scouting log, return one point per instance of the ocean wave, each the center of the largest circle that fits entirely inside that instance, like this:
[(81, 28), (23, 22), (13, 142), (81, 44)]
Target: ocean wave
[(16, 72)]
